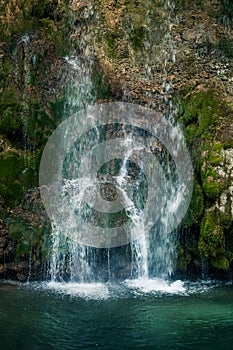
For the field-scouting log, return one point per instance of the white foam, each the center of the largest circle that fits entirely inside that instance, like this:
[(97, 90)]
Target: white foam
[(149, 285), (96, 291), (140, 286)]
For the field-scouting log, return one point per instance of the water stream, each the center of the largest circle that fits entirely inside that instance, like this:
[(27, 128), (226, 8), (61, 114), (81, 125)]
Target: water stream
[(107, 204)]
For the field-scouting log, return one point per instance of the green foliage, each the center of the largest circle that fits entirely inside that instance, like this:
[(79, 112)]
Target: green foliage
[(197, 202), (220, 263), (198, 112), (217, 147), (212, 240), (215, 159), (196, 208), (211, 189), (212, 184)]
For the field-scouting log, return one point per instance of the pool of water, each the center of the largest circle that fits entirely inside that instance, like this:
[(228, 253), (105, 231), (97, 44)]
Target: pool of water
[(129, 315)]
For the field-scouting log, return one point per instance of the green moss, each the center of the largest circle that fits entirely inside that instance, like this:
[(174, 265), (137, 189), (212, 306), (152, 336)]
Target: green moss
[(212, 240), (196, 208), (228, 144), (212, 185), (15, 190), (10, 115), (220, 263), (216, 159), (11, 167), (137, 37), (29, 238), (201, 109), (9, 120), (197, 202), (23, 247), (114, 45), (191, 131), (136, 23), (28, 178), (211, 189), (40, 125), (217, 147), (58, 33), (229, 256), (199, 112), (50, 18), (227, 214), (184, 4), (17, 227), (3, 191), (214, 156), (183, 258)]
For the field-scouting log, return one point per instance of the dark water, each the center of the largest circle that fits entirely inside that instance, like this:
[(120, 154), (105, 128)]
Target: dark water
[(114, 317)]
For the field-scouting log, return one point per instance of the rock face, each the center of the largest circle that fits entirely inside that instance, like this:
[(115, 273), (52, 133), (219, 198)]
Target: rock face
[(171, 56)]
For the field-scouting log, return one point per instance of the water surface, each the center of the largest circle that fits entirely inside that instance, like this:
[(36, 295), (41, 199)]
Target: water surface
[(129, 315)]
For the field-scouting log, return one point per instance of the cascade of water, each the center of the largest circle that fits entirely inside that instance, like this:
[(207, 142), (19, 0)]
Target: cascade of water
[(69, 259), (155, 253), (152, 244)]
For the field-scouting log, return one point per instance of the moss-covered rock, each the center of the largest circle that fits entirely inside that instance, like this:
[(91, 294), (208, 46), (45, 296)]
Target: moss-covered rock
[(30, 237), (212, 239), (183, 258), (220, 263), (197, 203), (199, 112)]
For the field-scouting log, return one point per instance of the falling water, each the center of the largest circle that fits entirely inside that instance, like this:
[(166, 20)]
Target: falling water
[(155, 255), (151, 241)]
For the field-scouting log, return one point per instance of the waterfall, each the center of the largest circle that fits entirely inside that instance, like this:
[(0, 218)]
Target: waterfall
[(113, 175)]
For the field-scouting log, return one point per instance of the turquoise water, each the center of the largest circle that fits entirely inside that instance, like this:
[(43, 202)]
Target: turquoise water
[(115, 316)]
